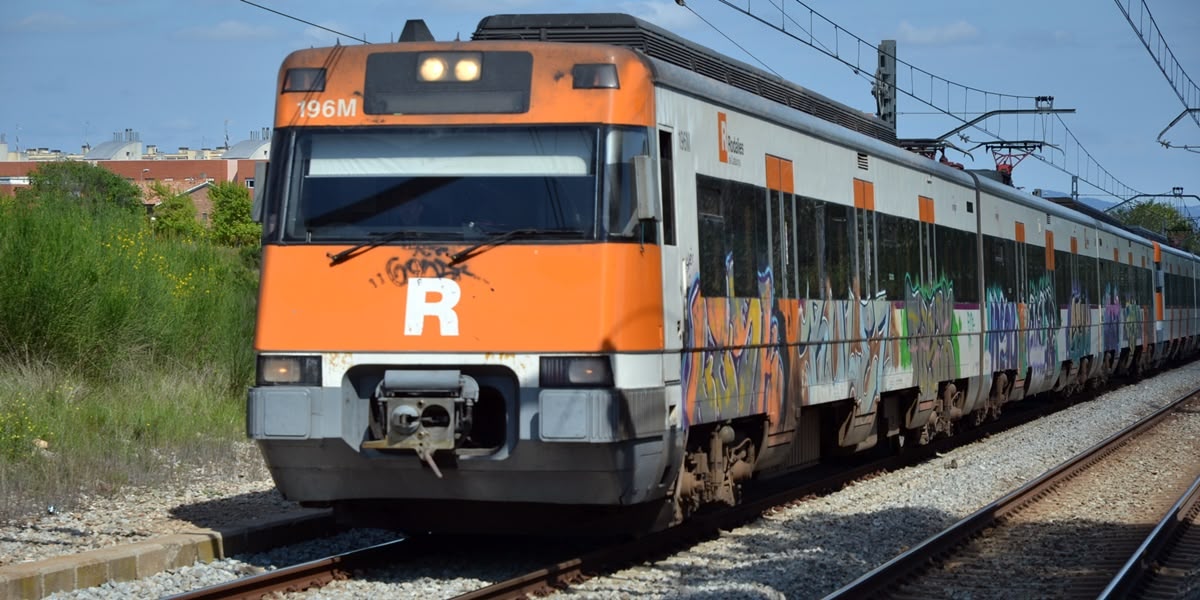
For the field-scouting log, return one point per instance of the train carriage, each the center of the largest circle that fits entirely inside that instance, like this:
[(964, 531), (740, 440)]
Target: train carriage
[(579, 271)]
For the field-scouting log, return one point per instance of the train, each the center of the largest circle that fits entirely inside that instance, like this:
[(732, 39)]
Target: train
[(579, 273)]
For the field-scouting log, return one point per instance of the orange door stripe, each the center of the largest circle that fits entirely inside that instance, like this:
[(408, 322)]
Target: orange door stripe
[(925, 209), (1049, 250)]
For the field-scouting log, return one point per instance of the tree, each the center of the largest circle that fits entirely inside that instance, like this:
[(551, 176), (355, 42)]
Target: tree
[(1161, 218), (90, 184), (175, 215), (232, 223)]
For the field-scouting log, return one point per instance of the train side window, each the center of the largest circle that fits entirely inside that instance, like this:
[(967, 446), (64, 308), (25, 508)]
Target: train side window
[(667, 181), (734, 247), (746, 229), (1000, 268), (1035, 268), (622, 145), (899, 254), (783, 268), (1064, 271), (810, 234), (1087, 279), (957, 263), (867, 269), (966, 287), (839, 254), (711, 229)]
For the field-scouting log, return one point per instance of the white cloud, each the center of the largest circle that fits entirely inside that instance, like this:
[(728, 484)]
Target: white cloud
[(936, 35), (229, 31)]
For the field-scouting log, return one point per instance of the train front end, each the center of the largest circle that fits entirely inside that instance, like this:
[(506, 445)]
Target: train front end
[(460, 323)]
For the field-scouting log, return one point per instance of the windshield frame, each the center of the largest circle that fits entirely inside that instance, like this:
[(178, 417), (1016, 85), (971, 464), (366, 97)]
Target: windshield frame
[(503, 192), (286, 183)]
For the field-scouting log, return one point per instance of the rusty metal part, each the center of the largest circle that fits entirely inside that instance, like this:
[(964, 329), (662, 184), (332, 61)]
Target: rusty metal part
[(300, 577), (884, 580), (1165, 565)]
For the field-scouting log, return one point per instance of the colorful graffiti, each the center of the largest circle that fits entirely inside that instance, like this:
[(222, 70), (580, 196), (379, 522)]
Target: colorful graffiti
[(754, 355), (844, 341), (931, 333), (1002, 325), (1042, 322), (1079, 324), (1131, 318), (1110, 318), (736, 368)]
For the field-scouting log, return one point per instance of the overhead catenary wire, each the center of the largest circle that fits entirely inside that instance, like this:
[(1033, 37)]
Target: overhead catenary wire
[(1091, 172), (1152, 38), (731, 40), (294, 18)]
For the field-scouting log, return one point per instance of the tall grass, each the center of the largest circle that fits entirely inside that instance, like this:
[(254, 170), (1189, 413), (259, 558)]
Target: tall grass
[(119, 351)]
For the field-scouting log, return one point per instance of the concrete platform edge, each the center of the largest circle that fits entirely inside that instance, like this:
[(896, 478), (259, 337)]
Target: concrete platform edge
[(127, 562)]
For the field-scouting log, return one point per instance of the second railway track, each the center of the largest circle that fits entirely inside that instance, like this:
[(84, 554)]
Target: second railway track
[(1063, 535)]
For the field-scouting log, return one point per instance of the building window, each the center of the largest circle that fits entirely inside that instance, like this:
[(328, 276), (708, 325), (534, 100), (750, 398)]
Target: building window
[(250, 183), (204, 218)]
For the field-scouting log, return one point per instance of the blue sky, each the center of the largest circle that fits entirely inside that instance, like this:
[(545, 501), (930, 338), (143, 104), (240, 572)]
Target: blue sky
[(183, 72)]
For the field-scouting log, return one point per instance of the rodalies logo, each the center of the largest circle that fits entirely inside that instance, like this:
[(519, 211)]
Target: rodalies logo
[(730, 148)]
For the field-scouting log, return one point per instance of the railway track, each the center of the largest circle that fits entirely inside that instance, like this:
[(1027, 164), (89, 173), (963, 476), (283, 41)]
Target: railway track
[(306, 575), (784, 493), (1167, 565), (1064, 534), (573, 568)]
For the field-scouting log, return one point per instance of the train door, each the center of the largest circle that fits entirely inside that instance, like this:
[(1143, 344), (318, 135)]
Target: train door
[(928, 243), (867, 256), (781, 231), (867, 369), (673, 267), (1021, 298)]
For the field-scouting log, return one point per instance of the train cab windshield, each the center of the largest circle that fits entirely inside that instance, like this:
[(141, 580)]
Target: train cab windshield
[(456, 184)]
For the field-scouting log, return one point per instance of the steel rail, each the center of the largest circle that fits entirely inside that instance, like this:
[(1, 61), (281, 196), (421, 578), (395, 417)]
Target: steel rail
[(781, 494), (1148, 554), (877, 581), (299, 577)]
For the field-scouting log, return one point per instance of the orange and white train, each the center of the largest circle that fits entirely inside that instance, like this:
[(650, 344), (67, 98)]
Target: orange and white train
[(578, 271)]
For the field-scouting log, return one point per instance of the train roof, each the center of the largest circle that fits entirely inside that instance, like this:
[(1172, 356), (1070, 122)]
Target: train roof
[(616, 29), (688, 65)]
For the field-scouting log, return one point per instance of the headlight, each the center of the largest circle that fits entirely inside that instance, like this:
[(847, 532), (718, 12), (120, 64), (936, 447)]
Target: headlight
[(432, 68), (289, 370), (576, 371), (449, 66), (467, 69)]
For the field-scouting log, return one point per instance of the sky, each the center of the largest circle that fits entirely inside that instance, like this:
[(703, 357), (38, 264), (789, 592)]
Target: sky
[(194, 72)]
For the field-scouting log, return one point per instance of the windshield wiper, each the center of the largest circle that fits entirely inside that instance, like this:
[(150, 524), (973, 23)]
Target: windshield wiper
[(507, 236), (355, 250)]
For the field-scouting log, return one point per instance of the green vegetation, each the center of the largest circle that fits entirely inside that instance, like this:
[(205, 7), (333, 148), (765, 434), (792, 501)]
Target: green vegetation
[(1162, 218), (231, 222), (175, 215), (125, 349)]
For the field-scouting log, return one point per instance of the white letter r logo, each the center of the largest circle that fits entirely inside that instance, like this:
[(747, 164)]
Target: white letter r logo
[(419, 305)]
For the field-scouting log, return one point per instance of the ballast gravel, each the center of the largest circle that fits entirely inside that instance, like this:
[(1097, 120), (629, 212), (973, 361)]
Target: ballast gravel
[(804, 551)]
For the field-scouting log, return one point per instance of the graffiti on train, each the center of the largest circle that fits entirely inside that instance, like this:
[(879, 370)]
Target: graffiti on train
[(932, 333)]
